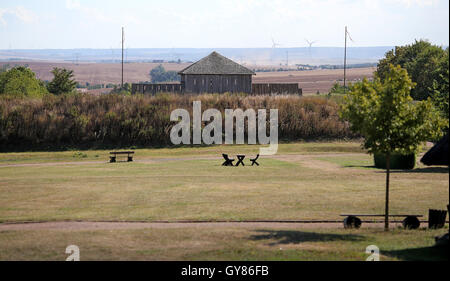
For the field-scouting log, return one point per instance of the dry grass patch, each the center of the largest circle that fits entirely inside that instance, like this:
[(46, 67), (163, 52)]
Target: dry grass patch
[(221, 243)]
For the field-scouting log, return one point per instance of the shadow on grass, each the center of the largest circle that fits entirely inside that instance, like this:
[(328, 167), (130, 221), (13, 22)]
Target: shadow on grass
[(420, 254), (443, 170), (435, 170), (360, 166), (296, 237)]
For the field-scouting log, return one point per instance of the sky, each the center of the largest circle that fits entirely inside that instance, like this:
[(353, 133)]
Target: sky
[(67, 24)]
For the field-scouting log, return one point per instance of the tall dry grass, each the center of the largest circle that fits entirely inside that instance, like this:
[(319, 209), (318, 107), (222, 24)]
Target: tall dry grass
[(86, 121)]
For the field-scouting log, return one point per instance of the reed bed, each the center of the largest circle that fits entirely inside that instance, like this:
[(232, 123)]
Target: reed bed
[(119, 121)]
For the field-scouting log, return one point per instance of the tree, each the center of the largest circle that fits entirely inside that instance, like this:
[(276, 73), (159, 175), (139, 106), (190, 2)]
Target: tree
[(424, 62), (21, 81), (337, 89), (125, 90), (384, 113), (62, 82), (159, 74), (440, 88)]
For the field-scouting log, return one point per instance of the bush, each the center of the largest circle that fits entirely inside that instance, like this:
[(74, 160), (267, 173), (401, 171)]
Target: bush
[(159, 74), (114, 120), (62, 82), (398, 161), (20, 81)]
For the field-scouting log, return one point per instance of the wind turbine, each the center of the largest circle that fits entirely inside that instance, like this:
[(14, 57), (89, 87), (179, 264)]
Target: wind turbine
[(310, 43), (274, 46)]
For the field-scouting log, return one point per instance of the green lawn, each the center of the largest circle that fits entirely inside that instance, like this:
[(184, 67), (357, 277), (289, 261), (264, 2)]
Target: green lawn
[(303, 181), (287, 186), (103, 155)]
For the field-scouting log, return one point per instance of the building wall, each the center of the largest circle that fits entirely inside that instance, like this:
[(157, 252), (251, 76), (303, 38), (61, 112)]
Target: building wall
[(146, 88), (204, 83), (276, 88), (219, 85)]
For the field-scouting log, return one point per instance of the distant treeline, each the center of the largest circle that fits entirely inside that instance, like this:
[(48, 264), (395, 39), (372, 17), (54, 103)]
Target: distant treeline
[(159, 75), (113, 121), (303, 67)]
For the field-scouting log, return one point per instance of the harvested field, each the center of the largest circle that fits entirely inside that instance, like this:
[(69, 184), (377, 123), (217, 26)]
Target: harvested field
[(104, 73), (98, 73), (314, 80)]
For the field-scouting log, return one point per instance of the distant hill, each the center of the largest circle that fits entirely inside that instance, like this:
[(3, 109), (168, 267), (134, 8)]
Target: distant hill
[(252, 56)]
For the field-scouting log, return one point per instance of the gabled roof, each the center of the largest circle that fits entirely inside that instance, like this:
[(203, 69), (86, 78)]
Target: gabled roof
[(215, 63), (438, 154)]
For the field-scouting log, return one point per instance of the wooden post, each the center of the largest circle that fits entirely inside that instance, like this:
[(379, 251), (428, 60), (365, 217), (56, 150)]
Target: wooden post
[(386, 212), (122, 59), (345, 55)]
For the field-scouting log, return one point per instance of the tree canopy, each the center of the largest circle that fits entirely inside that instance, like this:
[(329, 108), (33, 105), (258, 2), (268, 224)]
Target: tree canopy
[(426, 64), (384, 113), (159, 74), (21, 81), (62, 82)]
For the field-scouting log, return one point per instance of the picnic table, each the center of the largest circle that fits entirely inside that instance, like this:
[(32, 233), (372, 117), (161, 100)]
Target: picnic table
[(229, 161), (115, 153), (240, 159)]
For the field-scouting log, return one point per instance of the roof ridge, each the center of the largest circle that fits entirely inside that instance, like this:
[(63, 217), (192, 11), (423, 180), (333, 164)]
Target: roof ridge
[(215, 63)]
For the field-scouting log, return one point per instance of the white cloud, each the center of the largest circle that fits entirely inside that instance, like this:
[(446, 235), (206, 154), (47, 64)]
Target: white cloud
[(23, 14), (420, 3), (2, 20), (98, 15), (73, 4)]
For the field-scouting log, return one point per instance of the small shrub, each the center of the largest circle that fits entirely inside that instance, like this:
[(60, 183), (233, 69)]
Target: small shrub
[(79, 154)]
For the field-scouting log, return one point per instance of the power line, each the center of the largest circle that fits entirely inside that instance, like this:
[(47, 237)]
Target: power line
[(345, 54), (123, 40)]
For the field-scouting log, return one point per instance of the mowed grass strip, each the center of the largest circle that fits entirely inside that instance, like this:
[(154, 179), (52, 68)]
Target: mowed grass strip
[(222, 244), (288, 186), (174, 152)]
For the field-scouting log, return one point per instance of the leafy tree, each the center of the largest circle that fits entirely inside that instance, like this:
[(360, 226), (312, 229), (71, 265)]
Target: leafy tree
[(384, 113), (424, 62), (62, 82), (440, 88), (21, 81), (337, 89), (125, 90), (159, 74)]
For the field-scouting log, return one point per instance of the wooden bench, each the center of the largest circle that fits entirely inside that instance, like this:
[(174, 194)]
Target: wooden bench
[(112, 157), (352, 220), (254, 160)]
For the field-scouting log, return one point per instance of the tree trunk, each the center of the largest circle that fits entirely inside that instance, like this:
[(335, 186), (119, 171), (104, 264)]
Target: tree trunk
[(386, 212)]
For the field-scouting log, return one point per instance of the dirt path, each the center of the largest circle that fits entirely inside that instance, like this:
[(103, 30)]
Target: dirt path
[(68, 225)]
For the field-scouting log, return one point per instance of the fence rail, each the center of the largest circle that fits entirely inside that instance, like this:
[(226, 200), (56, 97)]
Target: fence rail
[(275, 88), (257, 88), (155, 88)]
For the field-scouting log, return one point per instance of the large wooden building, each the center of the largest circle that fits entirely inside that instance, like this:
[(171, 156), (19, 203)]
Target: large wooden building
[(216, 74)]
